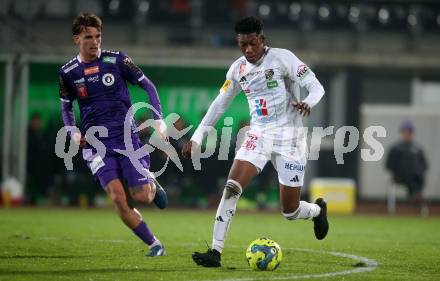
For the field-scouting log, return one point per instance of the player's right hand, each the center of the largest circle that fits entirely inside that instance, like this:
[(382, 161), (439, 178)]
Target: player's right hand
[(187, 149), (79, 139), (302, 107)]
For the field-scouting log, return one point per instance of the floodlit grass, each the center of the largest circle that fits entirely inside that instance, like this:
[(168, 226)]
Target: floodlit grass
[(73, 244)]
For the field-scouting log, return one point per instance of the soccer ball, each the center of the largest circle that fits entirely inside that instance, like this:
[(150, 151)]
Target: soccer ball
[(264, 254)]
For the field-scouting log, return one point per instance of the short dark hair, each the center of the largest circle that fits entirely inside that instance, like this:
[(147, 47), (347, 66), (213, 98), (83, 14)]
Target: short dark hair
[(249, 25), (85, 20)]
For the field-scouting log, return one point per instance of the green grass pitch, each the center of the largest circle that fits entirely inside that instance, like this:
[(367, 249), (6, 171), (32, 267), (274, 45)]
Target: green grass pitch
[(73, 244)]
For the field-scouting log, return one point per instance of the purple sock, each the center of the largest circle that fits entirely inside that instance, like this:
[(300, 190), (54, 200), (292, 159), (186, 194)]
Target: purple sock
[(144, 233)]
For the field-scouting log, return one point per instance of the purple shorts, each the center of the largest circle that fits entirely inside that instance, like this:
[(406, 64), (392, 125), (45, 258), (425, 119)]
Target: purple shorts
[(116, 166)]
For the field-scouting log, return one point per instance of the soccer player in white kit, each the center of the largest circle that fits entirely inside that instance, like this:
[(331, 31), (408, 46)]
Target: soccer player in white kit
[(270, 79)]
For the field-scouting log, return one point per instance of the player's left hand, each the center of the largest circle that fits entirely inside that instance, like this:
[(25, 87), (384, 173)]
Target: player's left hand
[(302, 107), (161, 129)]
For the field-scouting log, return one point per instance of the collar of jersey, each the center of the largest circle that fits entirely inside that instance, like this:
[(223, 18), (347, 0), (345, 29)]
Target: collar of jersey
[(79, 58), (266, 50)]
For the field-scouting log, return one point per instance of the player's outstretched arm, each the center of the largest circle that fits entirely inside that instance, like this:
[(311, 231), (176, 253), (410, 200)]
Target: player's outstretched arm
[(227, 92), (215, 110)]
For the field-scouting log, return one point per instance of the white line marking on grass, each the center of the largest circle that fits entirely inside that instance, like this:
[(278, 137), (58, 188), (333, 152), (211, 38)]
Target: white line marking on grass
[(370, 265)]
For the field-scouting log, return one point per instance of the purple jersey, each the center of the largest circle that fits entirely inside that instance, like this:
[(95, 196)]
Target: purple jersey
[(101, 91)]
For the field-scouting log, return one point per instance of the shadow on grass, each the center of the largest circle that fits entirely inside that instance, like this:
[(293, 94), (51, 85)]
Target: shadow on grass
[(41, 257), (90, 271)]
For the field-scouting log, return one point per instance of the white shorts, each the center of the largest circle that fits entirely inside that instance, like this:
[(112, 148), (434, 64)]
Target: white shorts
[(289, 158)]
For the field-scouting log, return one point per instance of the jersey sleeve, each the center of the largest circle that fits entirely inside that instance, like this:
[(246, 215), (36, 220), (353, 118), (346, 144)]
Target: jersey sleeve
[(299, 72), (65, 92), (228, 91), (66, 99), (295, 69), (133, 74), (130, 71)]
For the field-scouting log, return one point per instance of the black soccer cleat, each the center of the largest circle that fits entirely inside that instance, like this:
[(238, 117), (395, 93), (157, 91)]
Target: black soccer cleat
[(320, 222), (209, 259), (161, 198)]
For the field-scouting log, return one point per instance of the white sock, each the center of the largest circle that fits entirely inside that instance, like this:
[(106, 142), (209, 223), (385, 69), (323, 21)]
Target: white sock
[(225, 212), (305, 210)]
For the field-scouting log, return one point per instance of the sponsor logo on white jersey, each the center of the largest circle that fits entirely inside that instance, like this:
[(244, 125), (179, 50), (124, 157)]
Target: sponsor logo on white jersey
[(269, 74), (260, 107), (254, 73), (302, 71)]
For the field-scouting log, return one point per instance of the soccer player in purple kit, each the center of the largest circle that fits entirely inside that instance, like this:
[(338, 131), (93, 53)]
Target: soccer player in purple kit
[(96, 79)]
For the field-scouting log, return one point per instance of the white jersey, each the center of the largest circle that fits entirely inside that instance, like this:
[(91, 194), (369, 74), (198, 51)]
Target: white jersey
[(271, 86)]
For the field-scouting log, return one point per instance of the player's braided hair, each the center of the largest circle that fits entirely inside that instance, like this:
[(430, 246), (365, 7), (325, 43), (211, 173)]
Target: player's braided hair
[(249, 25), (85, 20)]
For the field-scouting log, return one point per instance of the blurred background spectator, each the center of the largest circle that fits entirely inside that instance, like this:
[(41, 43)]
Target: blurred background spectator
[(407, 164), (38, 161)]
